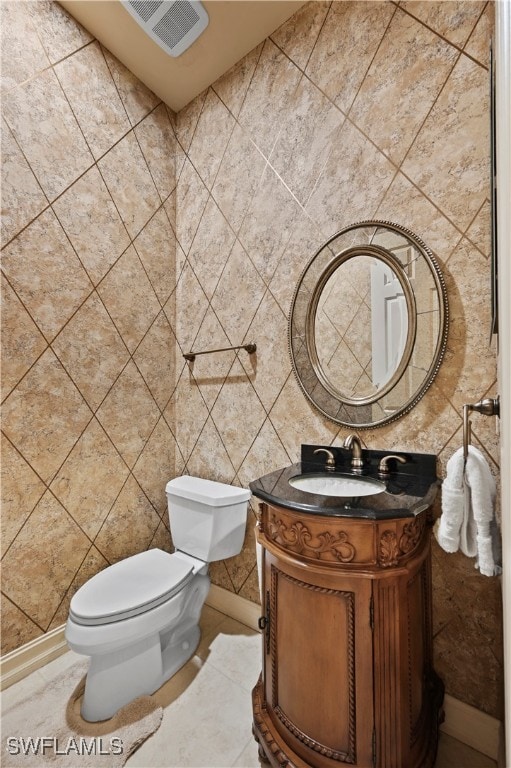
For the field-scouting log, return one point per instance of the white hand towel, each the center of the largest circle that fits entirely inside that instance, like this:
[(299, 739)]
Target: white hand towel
[(468, 502)]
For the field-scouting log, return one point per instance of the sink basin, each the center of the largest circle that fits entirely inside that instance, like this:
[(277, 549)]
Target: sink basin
[(337, 485)]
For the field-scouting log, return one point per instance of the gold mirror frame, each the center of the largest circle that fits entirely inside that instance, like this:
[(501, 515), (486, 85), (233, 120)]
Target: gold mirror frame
[(368, 411)]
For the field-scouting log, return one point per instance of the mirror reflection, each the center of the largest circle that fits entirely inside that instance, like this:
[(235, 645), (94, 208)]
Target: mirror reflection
[(368, 324)]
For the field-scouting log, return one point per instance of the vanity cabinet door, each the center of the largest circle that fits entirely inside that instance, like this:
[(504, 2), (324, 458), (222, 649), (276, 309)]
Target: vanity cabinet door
[(318, 662)]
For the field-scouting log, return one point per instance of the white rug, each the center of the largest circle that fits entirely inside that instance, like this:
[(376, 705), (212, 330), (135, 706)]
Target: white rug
[(46, 728)]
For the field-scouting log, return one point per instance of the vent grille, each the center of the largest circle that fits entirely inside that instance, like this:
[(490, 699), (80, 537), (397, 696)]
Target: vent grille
[(173, 25), (176, 23), (145, 8)]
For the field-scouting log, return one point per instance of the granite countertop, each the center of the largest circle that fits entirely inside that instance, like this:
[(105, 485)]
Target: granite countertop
[(408, 491)]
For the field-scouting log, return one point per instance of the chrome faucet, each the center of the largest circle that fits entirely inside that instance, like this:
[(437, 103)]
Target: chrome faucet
[(330, 458), (353, 444)]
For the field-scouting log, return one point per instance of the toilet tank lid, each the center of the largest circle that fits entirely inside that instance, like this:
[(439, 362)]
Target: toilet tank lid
[(206, 491)]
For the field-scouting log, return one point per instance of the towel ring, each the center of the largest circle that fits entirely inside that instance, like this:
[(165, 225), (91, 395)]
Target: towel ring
[(490, 406)]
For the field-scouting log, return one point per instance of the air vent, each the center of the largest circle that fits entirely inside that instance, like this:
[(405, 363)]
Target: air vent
[(173, 25)]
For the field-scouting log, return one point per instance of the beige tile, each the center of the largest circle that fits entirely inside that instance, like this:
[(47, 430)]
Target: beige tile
[(449, 159), (271, 88), (23, 56), (156, 247), (479, 231), (470, 364), (129, 298), (271, 218), (235, 651), (266, 455), (238, 414), (250, 590), (210, 248), (21, 490), (127, 177), (209, 449), (340, 198), (238, 294), (298, 35), (46, 274), (153, 475), (92, 223), (192, 303), (22, 342), (87, 83), (240, 566), (39, 566), (191, 199), (238, 177), (91, 350), (138, 100), (210, 139), (60, 34), (233, 85), (454, 20), (88, 482), (129, 414), (306, 426), (307, 137), (305, 241), (161, 149), (130, 526), (226, 721), (269, 367), (209, 371), (186, 414), (155, 358), (45, 415), (187, 118), (338, 70), (408, 71), (22, 197), (162, 539), (17, 629), (478, 44), (405, 204), (45, 128)]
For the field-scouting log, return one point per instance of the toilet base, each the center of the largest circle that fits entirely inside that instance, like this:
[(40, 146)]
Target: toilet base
[(114, 679)]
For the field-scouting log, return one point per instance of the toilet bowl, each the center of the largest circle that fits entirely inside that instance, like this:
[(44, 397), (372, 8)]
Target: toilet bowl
[(138, 619)]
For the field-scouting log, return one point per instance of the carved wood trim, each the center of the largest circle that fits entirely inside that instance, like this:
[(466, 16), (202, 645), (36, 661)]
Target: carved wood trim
[(388, 551), (299, 539), (345, 757), (391, 550), (261, 730)]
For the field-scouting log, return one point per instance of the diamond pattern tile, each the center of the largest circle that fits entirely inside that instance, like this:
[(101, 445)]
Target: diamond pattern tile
[(129, 414)]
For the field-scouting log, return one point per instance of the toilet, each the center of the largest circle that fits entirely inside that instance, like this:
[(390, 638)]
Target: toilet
[(138, 619)]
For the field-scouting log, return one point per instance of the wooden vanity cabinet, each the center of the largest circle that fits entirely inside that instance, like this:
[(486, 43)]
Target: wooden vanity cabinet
[(347, 645)]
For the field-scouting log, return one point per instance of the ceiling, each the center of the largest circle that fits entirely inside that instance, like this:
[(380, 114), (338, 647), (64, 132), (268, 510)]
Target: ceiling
[(235, 28)]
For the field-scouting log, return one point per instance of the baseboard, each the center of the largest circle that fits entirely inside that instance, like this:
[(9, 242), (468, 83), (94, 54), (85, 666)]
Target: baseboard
[(471, 726), (463, 722), (239, 608), (17, 664)]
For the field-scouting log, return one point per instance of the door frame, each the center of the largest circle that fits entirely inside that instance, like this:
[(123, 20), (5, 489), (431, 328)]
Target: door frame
[(503, 149)]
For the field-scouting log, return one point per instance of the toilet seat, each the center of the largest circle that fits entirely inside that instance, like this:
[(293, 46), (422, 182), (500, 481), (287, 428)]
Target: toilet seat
[(130, 587)]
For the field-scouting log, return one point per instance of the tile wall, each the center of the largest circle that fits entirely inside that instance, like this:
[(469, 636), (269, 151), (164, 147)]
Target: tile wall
[(349, 111)]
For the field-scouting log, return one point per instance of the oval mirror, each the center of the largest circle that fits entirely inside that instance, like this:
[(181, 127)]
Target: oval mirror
[(368, 324)]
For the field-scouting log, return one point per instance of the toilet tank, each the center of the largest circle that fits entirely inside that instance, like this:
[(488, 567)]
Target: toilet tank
[(207, 519)]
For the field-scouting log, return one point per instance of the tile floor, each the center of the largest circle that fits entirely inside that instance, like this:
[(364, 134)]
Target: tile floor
[(216, 683)]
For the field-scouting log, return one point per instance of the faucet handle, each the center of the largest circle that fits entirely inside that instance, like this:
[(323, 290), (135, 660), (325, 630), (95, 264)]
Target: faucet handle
[(383, 469), (330, 461)]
